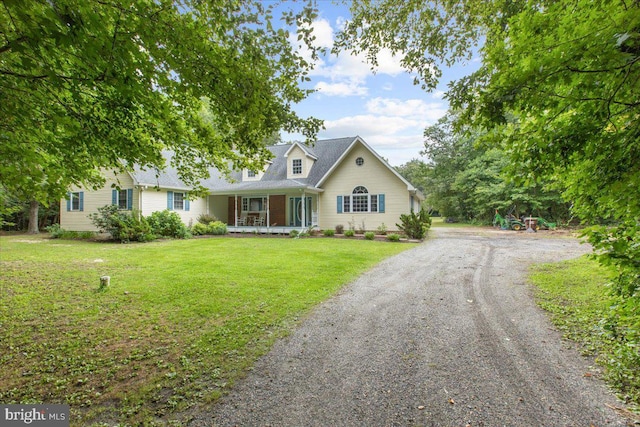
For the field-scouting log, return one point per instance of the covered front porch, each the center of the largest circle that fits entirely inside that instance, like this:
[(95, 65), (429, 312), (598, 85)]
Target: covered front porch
[(266, 212)]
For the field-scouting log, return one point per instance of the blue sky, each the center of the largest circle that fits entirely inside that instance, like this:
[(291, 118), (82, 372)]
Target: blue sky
[(384, 108)]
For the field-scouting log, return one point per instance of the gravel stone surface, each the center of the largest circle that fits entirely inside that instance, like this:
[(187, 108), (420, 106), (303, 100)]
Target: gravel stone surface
[(445, 334)]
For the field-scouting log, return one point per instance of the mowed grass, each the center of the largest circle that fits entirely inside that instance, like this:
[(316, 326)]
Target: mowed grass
[(439, 222), (576, 294), (181, 320)]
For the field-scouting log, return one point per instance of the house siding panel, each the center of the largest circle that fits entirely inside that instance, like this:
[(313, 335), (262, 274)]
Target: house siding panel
[(373, 175), (79, 220), (154, 200)]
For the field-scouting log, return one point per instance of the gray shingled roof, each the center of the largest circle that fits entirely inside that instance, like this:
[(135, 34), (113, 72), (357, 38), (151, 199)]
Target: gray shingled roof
[(326, 151)]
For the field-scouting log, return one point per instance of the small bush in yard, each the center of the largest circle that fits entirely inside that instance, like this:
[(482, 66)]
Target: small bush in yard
[(415, 226), (382, 229), (168, 224), (294, 233), (349, 233), (207, 219), (122, 225), (369, 235), (329, 233), (339, 228), (198, 229), (217, 228), (55, 230), (58, 232), (393, 237)]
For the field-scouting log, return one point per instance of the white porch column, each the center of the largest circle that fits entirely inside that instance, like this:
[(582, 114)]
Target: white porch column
[(268, 212), (304, 209)]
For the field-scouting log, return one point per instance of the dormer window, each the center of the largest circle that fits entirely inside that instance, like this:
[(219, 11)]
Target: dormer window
[(296, 166), (300, 161), (251, 174)]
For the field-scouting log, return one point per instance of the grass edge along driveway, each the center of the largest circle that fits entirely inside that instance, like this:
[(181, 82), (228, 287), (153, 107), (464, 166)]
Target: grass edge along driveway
[(181, 320)]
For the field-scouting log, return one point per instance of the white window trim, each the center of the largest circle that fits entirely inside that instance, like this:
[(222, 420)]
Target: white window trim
[(294, 167), (74, 195), (347, 202), (175, 207), (246, 204)]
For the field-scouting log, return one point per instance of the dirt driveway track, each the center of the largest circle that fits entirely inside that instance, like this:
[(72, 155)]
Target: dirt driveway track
[(445, 334)]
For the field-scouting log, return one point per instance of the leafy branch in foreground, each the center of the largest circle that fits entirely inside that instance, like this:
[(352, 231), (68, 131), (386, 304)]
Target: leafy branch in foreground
[(105, 85)]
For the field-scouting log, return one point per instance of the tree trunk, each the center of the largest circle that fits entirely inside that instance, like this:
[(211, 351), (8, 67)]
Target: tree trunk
[(33, 217)]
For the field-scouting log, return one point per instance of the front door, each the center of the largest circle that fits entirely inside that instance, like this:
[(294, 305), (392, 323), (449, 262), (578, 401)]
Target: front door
[(296, 211)]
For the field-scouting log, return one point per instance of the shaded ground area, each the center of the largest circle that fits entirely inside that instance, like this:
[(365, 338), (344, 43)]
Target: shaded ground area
[(446, 334)]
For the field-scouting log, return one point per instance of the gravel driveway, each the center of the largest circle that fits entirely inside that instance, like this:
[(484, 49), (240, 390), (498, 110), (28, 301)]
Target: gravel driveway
[(445, 334)]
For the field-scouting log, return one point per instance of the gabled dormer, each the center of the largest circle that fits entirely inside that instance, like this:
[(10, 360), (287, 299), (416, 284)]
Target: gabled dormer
[(250, 176), (300, 160)]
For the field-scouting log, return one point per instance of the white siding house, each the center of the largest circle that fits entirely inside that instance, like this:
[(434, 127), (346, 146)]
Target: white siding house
[(333, 182)]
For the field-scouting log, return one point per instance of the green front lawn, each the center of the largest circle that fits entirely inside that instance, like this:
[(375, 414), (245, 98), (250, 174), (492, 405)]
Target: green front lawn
[(181, 320), (576, 293)]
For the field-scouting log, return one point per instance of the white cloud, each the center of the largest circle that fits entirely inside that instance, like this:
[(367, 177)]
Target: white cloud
[(343, 67), (396, 139), (349, 88), (392, 126), (389, 64), (369, 124), (415, 108), (346, 74), (323, 33)]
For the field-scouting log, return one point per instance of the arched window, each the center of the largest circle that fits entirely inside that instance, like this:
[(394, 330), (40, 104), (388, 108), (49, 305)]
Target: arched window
[(360, 190), (360, 199)]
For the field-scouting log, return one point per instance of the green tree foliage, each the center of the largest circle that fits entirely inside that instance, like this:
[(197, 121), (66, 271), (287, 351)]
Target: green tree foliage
[(91, 85), (15, 212), (468, 181), (415, 171), (9, 208), (557, 89)]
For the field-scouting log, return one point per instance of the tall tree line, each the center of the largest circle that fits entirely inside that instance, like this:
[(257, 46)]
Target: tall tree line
[(464, 180)]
